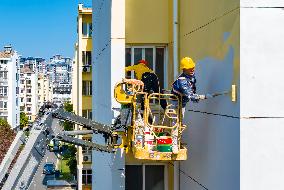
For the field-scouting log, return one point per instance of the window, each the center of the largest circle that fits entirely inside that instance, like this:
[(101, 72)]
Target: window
[(3, 74), (22, 81), (29, 99), (28, 108), (29, 90), (87, 29), (17, 90), (87, 88), (5, 105), (86, 57), (22, 99), (154, 55), (144, 177), (86, 176), (3, 90), (28, 82), (87, 114)]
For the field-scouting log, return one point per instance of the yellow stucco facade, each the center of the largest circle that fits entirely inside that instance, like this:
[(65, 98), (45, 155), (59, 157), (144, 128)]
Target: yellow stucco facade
[(81, 89)]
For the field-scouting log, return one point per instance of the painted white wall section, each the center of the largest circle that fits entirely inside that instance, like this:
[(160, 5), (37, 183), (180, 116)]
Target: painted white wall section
[(262, 154), (262, 62), (108, 69), (262, 34), (262, 3)]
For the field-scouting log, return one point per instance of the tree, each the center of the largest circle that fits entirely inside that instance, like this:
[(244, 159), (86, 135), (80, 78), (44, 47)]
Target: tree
[(7, 136), (24, 120), (72, 161), (4, 123), (68, 126), (71, 156), (68, 107)]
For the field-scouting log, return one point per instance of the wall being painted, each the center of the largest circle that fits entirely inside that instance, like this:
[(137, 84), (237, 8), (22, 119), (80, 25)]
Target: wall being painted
[(209, 33)]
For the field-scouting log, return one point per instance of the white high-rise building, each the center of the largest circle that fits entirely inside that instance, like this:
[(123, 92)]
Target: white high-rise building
[(29, 92), (9, 86)]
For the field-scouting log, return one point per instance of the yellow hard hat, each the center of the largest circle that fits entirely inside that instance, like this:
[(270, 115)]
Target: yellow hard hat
[(186, 63)]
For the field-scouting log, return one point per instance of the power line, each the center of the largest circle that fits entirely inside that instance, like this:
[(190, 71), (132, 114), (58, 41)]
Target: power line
[(188, 176), (237, 117), (216, 114)]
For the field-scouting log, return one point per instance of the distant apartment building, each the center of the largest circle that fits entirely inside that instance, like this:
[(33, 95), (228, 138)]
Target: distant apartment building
[(82, 90), (9, 86), (59, 69), (29, 92), (45, 89)]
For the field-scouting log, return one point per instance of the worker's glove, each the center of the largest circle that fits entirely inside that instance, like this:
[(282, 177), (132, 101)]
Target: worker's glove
[(208, 96), (201, 97)]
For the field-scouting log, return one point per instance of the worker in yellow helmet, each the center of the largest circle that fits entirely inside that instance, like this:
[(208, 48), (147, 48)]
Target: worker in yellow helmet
[(148, 77), (184, 87)]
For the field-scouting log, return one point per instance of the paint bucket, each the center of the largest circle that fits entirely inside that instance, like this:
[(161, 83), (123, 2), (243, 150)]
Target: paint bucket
[(139, 140), (164, 147), (164, 140)]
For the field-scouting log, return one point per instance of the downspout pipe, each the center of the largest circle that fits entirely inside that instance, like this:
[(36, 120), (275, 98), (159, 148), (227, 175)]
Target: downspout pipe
[(175, 37), (175, 61)]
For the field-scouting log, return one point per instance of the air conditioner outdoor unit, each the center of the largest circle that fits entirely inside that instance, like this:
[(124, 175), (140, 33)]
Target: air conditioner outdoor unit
[(87, 157), (86, 69)]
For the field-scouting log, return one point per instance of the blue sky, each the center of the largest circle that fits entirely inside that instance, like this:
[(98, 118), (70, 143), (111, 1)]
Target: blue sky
[(40, 28)]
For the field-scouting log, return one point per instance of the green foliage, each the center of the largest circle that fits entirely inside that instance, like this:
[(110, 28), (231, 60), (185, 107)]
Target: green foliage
[(7, 136), (68, 107), (68, 126), (24, 120), (4, 123), (71, 159)]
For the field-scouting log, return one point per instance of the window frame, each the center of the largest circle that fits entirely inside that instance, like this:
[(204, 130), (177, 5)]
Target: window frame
[(86, 174), (153, 164), (154, 47)]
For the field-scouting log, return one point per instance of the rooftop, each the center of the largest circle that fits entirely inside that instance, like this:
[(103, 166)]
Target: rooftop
[(4, 54), (26, 70)]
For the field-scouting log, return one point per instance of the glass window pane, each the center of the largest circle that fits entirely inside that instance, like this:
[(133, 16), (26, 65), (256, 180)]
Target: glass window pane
[(149, 57), (137, 54), (127, 61), (89, 57), (84, 29), (83, 87), (154, 177), (84, 113), (160, 65), (84, 179), (90, 30), (89, 179), (134, 177)]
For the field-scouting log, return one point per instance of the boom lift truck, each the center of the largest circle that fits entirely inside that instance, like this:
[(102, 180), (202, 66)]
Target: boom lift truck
[(147, 134)]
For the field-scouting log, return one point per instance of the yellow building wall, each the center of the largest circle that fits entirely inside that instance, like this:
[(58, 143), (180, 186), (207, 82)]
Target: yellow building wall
[(146, 21), (86, 102), (86, 44), (201, 33)]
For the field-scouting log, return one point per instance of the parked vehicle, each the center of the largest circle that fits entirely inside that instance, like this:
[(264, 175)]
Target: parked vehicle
[(49, 168)]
